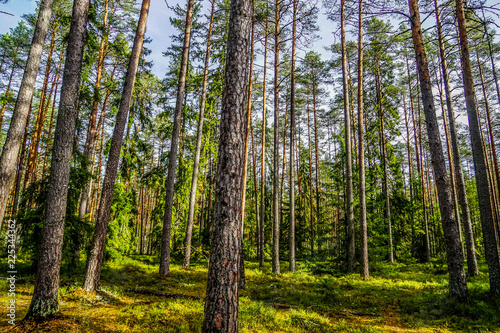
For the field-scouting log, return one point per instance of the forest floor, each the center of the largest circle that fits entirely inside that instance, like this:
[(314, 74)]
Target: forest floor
[(397, 298)]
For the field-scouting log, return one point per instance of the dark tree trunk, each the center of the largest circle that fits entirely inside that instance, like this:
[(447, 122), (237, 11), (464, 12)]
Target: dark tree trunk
[(101, 226), (221, 302), (482, 185), (45, 295), (457, 282), (14, 137), (172, 160)]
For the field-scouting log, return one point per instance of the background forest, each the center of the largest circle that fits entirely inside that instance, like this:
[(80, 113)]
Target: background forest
[(345, 169)]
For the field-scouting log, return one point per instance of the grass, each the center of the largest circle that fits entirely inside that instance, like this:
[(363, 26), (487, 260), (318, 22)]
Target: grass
[(408, 298)]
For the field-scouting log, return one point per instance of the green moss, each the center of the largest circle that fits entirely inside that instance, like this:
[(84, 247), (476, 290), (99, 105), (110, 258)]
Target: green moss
[(407, 297)]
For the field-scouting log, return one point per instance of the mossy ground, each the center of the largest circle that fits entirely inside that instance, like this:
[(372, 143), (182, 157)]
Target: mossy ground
[(409, 298)]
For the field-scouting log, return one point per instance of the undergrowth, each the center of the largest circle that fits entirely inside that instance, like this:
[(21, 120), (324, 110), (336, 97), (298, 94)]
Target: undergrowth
[(397, 298)]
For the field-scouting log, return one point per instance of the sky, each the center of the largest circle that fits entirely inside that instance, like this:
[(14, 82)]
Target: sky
[(158, 28)]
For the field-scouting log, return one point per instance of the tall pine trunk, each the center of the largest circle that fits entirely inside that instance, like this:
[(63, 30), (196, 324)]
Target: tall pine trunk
[(92, 129), (172, 160), (14, 138), (194, 181), (262, 242), (94, 263), (351, 257), (276, 155), (457, 283), (482, 185), (45, 295), (383, 148), (291, 263), (221, 302), (365, 271), (472, 266)]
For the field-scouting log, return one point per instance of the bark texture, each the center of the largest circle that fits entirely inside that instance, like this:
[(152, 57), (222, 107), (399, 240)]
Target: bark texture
[(93, 274), (457, 283), (480, 167), (14, 138), (45, 295), (221, 302)]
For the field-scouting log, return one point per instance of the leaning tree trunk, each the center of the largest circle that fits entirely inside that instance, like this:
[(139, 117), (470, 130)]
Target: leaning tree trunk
[(101, 226), (457, 167), (276, 221), (361, 148), (351, 258), (482, 185), (221, 302), (192, 194), (457, 282), (14, 138), (172, 160), (45, 295)]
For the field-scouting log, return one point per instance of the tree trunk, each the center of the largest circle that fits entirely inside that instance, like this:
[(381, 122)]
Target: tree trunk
[(45, 295), (351, 255), (196, 163), (383, 148), (472, 266), (276, 220), (92, 129), (291, 263), (14, 137), (221, 302), (94, 263), (457, 282), (483, 193), (241, 279), (365, 272), (172, 161), (263, 167)]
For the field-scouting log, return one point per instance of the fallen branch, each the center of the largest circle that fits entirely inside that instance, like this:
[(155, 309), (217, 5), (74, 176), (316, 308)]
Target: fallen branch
[(157, 293), (361, 313)]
